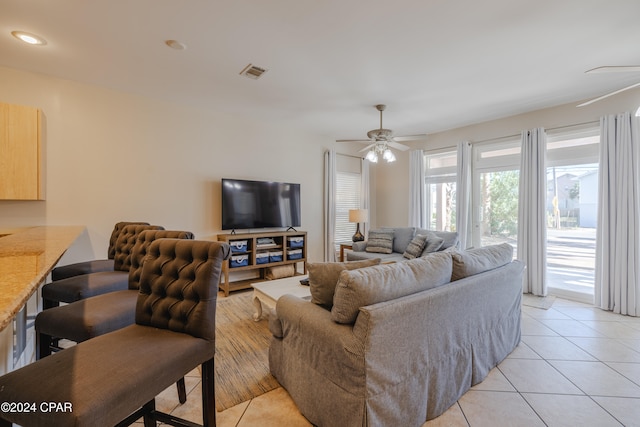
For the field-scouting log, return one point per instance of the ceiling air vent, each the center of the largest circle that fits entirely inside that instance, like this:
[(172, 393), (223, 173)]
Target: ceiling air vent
[(252, 71)]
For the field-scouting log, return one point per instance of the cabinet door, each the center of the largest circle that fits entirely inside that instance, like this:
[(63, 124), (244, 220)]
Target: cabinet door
[(19, 153)]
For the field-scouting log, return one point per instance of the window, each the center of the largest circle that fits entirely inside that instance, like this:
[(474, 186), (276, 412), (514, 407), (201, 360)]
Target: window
[(348, 196), (496, 177), (440, 181)]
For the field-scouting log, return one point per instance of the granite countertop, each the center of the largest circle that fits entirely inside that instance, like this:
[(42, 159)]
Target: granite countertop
[(27, 255)]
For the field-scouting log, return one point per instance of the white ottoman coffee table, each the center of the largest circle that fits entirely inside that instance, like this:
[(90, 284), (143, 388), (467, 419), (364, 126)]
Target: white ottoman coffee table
[(267, 293)]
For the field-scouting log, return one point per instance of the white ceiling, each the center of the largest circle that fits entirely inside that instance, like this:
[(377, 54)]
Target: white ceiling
[(437, 64)]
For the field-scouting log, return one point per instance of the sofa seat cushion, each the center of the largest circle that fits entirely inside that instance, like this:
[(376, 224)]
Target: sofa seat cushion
[(380, 241), (360, 288), (384, 258), (475, 261), (323, 277)]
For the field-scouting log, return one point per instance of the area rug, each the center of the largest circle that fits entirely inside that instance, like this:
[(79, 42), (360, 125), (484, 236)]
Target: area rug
[(538, 302), (242, 346)]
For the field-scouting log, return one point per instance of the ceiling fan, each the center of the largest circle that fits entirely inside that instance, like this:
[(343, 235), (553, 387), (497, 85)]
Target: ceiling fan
[(381, 140), (612, 69)]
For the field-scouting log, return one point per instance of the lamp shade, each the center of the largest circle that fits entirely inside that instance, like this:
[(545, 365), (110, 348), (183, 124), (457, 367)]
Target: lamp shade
[(358, 215)]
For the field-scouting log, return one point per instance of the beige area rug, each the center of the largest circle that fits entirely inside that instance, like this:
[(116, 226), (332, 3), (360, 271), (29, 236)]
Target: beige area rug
[(242, 346), (538, 302)]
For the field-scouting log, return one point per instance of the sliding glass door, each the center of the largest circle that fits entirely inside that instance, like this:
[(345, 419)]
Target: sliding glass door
[(572, 194)]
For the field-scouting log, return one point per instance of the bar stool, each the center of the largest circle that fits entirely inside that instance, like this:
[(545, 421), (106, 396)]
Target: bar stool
[(96, 265), (87, 285), (113, 379)]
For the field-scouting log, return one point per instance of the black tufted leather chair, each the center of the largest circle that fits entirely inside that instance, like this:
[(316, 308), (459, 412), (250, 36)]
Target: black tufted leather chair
[(114, 378), (96, 265), (87, 285)]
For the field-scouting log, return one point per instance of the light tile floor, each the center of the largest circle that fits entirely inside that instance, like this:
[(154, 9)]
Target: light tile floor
[(576, 366)]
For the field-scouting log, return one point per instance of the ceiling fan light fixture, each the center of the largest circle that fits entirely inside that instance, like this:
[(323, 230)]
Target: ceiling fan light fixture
[(372, 156), (388, 156)]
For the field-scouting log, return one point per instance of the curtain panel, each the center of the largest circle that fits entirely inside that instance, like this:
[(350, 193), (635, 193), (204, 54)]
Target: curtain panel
[(532, 222), (364, 191), (617, 281), (463, 194), (417, 195), (329, 205)]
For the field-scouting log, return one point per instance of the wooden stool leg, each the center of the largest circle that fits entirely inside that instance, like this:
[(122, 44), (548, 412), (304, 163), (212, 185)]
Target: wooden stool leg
[(182, 390), (208, 394)]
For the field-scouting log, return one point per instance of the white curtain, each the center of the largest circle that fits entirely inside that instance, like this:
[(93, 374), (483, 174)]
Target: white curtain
[(532, 227), (329, 205), (364, 190), (417, 195), (617, 281), (463, 194)]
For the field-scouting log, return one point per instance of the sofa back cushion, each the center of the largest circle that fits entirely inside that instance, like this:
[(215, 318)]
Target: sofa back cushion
[(359, 288), (401, 237), (475, 261), (323, 277)]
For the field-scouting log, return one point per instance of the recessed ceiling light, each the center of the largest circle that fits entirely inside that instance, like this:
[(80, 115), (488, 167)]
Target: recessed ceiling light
[(175, 44), (29, 38)]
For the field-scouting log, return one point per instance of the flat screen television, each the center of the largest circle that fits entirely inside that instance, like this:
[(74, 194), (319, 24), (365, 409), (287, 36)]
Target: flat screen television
[(259, 204)]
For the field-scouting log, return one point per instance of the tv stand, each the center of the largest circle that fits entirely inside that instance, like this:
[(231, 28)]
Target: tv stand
[(291, 228), (284, 242)]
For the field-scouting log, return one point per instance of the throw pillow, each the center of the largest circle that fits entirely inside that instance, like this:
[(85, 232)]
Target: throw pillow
[(415, 247), (475, 261), (434, 243), (450, 237), (385, 282), (323, 277), (380, 241)]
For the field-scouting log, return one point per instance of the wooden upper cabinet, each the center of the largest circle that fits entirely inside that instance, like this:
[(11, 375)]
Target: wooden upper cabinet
[(20, 161)]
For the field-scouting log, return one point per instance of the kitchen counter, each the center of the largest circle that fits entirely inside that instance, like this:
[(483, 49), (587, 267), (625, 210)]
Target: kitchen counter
[(27, 256)]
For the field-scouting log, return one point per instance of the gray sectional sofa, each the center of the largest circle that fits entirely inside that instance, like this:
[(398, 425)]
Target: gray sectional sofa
[(401, 238), (402, 341)]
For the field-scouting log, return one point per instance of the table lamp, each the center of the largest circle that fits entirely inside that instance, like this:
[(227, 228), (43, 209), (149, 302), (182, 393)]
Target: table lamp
[(358, 216)]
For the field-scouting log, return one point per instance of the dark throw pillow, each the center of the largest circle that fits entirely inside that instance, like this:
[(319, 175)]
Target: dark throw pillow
[(415, 247)]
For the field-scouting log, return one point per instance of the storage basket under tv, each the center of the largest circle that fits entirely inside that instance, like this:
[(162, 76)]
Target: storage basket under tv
[(258, 251)]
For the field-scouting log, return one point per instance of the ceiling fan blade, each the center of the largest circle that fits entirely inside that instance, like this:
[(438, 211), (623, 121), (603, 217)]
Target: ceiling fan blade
[(410, 137), (361, 141), (615, 69), (397, 146), (608, 95), (368, 147)]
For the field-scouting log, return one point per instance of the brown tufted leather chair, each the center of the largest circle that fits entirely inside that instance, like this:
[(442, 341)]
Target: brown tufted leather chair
[(90, 317), (96, 265), (87, 285), (107, 378)]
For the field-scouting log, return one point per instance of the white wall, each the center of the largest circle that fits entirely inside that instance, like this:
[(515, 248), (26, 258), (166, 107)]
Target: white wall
[(392, 188), (112, 156)]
